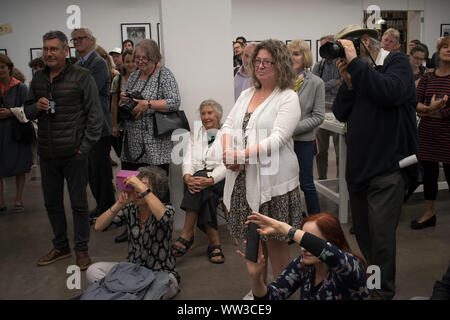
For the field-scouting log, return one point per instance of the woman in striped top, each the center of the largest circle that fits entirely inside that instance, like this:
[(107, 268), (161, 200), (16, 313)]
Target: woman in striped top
[(434, 130)]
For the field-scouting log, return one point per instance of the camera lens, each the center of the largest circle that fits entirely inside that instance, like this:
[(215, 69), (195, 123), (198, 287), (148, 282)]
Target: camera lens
[(332, 50)]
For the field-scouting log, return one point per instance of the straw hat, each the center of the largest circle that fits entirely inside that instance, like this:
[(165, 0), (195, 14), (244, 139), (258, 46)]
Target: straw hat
[(353, 30)]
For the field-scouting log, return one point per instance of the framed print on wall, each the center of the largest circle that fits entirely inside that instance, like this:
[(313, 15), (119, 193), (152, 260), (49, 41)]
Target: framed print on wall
[(158, 33), (35, 53), (445, 30), (4, 51), (135, 32)]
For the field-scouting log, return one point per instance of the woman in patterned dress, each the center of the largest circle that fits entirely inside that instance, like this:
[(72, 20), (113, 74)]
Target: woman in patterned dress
[(326, 270), (258, 150), (433, 108), (149, 223), (159, 89)]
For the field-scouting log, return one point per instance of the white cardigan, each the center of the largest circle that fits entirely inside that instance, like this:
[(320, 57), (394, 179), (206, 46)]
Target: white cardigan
[(199, 156), (271, 125)]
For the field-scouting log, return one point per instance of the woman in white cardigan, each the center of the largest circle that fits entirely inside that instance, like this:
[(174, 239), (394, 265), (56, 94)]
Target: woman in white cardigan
[(203, 174), (258, 149)]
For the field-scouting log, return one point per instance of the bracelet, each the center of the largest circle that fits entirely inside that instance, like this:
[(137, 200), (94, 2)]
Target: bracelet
[(146, 192), (149, 105), (110, 209), (291, 233)]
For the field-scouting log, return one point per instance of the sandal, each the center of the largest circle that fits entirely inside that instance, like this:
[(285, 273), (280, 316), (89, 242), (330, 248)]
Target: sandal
[(18, 208), (211, 254), (178, 251)]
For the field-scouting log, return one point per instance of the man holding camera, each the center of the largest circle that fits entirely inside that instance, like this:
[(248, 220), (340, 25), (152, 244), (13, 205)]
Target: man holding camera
[(64, 98), (100, 170), (378, 105)]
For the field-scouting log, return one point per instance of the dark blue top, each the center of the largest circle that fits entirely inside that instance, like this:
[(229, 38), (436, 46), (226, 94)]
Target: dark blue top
[(380, 112)]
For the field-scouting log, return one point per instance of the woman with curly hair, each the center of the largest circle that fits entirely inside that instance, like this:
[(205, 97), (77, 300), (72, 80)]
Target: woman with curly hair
[(258, 151)]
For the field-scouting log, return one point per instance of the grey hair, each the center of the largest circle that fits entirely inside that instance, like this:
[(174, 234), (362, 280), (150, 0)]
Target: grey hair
[(157, 178), (151, 50), (213, 103), (55, 34), (374, 44), (393, 32), (88, 33)]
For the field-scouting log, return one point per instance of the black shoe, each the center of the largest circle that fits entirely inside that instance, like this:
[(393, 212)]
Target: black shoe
[(122, 237), (427, 223)]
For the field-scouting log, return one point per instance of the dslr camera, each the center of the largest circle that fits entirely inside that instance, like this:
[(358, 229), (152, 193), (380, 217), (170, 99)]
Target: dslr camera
[(333, 50), (126, 108)]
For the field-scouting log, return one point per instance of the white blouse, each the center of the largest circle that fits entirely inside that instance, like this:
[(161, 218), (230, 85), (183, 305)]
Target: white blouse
[(272, 125)]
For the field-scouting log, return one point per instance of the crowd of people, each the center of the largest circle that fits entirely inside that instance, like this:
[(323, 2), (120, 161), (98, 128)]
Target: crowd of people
[(257, 160)]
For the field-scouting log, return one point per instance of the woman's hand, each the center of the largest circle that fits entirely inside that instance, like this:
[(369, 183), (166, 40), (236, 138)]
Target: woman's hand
[(140, 109), (123, 97), (255, 270), (125, 198), (5, 113), (115, 130), (437, 104), (137, 184), (268, 226)]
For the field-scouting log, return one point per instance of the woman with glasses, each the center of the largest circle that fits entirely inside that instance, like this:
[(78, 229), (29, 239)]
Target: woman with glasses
[(159, 90), (311, 94), (258, 150), (417, 57)]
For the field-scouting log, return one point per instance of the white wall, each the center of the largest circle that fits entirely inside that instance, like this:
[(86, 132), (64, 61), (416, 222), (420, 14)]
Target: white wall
[(30, 20)]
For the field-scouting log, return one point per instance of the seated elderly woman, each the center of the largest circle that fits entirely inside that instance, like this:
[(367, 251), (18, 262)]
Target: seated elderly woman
[(203, 174), (149, 223)]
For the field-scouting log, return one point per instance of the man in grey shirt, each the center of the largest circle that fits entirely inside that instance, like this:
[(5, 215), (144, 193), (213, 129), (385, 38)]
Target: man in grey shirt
[(64, 98), (242, 79), (328, 71)]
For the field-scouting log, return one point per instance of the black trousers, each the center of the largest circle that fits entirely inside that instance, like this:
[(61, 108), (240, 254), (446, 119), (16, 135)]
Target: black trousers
[(75, 171), (376, 213), (100, 175), (116, 143), (431, 176)]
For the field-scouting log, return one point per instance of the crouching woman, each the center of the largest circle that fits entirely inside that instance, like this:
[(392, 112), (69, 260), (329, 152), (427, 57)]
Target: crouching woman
[(149, 223)]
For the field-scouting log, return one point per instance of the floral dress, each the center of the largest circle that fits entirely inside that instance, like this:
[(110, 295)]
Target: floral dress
[(284, 208)]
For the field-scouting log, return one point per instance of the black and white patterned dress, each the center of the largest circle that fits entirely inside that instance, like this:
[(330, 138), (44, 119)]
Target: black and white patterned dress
[(139, 143)]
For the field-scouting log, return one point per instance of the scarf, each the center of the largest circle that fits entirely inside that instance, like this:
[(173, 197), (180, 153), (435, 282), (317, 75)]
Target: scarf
[(299, 81), (4, 88)]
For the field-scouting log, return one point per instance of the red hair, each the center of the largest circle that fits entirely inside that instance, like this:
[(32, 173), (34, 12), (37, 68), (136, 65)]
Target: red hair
[(331, 229)]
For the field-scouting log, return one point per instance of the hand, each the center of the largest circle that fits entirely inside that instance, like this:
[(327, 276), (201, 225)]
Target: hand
[(437, 104), (137, 184), (5, 113), (267, 226), (140, 109), (346, 77), (123, 98), (126, 197), (257, 269), (115, 130), (43, 104), (80, 152), (203, 182), (350, 51)]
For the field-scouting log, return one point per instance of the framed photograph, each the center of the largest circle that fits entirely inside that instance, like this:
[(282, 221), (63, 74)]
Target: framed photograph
[(317, 50), (135, 32), (158, 33), (4, 51), (72, 52), (35, 53), (445, 30)]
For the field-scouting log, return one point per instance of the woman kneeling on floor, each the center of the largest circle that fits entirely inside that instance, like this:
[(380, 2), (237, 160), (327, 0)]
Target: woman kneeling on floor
[(149, 223), (203, 175), (326, 270)]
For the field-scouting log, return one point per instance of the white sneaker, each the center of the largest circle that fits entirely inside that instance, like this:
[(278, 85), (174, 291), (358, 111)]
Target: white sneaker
[(249, 296)]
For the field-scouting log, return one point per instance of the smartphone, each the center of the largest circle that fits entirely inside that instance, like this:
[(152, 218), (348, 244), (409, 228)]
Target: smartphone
[(251, 249)]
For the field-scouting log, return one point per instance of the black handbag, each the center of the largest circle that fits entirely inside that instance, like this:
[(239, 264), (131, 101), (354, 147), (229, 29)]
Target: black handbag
[(165, 123)]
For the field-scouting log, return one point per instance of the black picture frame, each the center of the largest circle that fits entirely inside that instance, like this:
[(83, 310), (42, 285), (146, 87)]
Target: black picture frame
[(35, 53), (445, 29), (4, 51), (158, 30), (135, 32)]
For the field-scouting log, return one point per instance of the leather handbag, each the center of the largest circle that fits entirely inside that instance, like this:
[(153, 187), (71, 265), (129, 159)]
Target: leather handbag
[(166, 122)]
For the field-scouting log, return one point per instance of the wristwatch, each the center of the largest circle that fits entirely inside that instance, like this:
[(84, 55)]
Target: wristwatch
[(149, 105), (291, 233), (146, 192)]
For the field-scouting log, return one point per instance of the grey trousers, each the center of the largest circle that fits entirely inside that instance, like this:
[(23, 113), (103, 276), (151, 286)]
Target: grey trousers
[(323, 141), (376, 213)]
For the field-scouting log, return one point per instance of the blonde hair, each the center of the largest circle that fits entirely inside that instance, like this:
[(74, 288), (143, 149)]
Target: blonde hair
[(304, 49)]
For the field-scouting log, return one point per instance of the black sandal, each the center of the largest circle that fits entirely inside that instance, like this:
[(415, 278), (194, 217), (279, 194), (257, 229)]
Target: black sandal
[(179, 250), (210, 253)]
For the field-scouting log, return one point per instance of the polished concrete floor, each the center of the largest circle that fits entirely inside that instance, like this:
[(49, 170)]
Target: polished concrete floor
[(422, 255)]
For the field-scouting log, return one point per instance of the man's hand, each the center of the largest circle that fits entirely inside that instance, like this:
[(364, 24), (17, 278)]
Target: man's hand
[(350, 51), (346, 77), (43, 104)]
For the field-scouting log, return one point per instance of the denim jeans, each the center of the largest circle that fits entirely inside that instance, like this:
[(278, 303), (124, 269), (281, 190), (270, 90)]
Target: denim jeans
[(75, 171), (305, 155)]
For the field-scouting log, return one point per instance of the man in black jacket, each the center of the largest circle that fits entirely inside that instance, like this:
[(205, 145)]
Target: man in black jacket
[(379, 108), (100, 170), (64, 98)]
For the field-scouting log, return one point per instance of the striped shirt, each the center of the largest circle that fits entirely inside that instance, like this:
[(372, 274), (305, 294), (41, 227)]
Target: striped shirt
[(434, 134)]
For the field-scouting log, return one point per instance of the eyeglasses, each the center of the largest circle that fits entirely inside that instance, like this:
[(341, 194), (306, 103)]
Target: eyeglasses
[(265, 63), (73, 40), (143, 58), (418, 58)]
